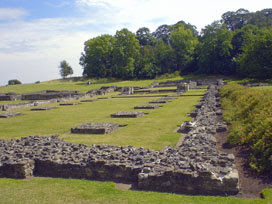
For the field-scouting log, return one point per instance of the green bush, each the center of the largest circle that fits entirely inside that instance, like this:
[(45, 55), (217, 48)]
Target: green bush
[(14, 81), (249, 112)]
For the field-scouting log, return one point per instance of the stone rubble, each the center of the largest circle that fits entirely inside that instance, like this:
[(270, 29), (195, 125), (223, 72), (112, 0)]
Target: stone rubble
[(96, 128), (9, 115), (149, 106), (195, 167), (128, 114), (42, 108)]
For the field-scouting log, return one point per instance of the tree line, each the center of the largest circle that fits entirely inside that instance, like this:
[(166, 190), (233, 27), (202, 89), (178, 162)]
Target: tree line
[(239, 44)]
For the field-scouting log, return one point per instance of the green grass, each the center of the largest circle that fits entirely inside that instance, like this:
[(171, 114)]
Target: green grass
[(154, 130), (58, 191), (263, 88), (77, 84)]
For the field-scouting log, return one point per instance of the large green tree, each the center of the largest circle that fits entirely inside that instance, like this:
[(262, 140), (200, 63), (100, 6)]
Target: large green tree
[(184, 43), (65, 69), (214, 50), (97, 57), (126, 53), (256, 59)]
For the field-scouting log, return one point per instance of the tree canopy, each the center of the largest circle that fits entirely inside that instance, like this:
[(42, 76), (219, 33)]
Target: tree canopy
[(65, 69), (238, 44)]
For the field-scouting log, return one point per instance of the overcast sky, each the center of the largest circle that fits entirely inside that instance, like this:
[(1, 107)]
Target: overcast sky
[(37, 34)]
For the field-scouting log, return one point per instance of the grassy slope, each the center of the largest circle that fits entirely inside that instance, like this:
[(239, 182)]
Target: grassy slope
[(79, 85)]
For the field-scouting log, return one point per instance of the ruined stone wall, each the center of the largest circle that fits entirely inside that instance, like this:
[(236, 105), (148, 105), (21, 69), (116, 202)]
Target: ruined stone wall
[(195, 167)]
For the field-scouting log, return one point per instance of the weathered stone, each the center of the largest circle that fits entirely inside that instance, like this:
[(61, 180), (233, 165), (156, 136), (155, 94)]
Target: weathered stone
[(127, 90), (42, 108), (95, 128), (128, 114), (146, 107), (68, 104), (88, 100), (9, 115), (183, 87), (159, 101)]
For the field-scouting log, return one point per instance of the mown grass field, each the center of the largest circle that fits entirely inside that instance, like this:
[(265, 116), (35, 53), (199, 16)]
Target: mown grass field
[(154, 131), (59, 191)]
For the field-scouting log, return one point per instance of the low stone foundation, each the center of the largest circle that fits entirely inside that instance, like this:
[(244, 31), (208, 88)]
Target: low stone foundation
[(194, 167), (96, 128), (68, 104), (42, 108), (146, 107), (9, 115), (159, 101), (128, 114)]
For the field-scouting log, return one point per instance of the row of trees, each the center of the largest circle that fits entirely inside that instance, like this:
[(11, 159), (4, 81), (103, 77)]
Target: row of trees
[(239, 44)]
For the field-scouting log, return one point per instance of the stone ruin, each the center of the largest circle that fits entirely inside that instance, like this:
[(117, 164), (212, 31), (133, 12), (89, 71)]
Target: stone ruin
[(103, 90), (51, 94), (69, 104), (149, 106), (183, 87), (9, 115), (127, 90), (42, 108), (96, 128), (88, 100), (10, 97), (160, 101), (128, 114), (194, 167)]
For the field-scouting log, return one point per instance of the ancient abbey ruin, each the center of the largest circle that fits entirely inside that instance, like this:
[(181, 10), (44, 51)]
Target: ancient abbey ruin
[(193, 167)]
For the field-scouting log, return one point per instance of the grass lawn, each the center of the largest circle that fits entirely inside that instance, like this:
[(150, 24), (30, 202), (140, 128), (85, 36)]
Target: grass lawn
[(59, 191), (77, 84), (154, 130), (263, 88)]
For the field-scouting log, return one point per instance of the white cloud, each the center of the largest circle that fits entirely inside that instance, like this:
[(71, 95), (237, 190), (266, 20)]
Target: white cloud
[(31, 50), (12, 13)]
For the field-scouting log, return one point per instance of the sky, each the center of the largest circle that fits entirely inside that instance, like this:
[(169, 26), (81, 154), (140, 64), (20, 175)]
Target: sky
[(37, 34)]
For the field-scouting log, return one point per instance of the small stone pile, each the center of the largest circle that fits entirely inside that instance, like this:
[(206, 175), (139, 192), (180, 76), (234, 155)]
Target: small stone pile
[(9, 115), (95, 128), (128, 114), (149, 106)]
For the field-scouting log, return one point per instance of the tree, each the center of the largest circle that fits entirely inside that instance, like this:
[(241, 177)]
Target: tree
[(144, 36), (97, 57), (14, 82), (236, 20), (214, 50), (184, 43), (164, 57), (256, 58), (126, 53), (65, 69)]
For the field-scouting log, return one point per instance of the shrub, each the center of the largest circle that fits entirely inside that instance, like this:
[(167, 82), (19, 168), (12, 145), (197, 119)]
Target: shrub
[(14, 81), (249, 111)]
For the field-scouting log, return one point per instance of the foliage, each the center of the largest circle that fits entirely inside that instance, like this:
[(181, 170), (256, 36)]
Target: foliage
[(14, 82), (145, 37), (97, 59), (256, 59), (227, 47), (184, 43), (214, 50), (249, 111), (65, 69)]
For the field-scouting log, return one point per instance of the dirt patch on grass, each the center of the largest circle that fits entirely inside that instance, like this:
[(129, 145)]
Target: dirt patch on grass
[(251, 184)]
